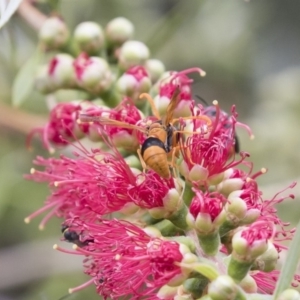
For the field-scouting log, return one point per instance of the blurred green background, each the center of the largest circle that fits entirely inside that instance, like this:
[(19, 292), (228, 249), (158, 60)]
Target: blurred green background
[(251, 53)]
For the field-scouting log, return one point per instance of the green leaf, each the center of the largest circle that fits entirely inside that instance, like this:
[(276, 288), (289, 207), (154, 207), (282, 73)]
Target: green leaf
[(24, 81), (7, 9), (290, 265)]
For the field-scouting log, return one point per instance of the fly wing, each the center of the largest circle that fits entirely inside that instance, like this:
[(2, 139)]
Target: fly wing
[(171, 107)]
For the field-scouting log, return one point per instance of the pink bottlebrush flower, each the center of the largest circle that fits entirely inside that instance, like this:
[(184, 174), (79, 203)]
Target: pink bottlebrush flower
[(257, 233), (94, 182), (123, 125), (211, 149), (123, 260), (150, 190), (167, 88), (207, 203), (62, 126)]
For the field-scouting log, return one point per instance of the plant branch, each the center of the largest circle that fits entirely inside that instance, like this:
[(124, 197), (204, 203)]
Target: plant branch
[(20, 121), (31, 15)]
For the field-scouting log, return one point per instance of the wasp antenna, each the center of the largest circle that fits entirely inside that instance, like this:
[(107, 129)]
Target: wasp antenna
[(202, 100), (151, 102)]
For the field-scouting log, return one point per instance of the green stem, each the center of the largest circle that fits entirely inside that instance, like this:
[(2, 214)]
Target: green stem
[(195, 286), (209, 243), (179, 218), (188, 194), (111, 97), (237, 270), (167, 228), (226, 227)]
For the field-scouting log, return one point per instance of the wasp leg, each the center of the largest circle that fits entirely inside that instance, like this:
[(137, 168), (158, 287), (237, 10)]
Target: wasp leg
[(144, 166), (204, 118), (151, 102), (174, 167)]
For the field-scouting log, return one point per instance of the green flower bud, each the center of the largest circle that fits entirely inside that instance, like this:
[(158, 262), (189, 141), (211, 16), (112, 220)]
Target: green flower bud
[(229, 185), (167, 292), (236, 209), (248, 284), (198, 173), (42, 81), (54, 34), (185, 240), (171, 200), (157, 212), (133, 53), (215, 179), (118, 31), (155, 68), (167, 228), (289, 294), (134, 82), (223, 288), (195, 286), (93, 74), (133, 161), (268, 260), (129, 209), (61, 71), (89, 37), (152, 231), (247, 245)]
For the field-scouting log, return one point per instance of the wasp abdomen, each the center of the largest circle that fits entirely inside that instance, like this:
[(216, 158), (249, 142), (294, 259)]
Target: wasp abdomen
[(155, 156)]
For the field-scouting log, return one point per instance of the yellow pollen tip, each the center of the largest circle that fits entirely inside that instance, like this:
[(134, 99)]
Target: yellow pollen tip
[(51, 150), (215, 102), (252, 137), (27, 220), (202, 73), (56, 183), (75, 247), (41, 227), (70, 291), (55, 246), (32, 170), (263, 170)]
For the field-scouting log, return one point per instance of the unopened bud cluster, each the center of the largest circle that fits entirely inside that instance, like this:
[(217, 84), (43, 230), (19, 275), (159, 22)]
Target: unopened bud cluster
[(165, 205)]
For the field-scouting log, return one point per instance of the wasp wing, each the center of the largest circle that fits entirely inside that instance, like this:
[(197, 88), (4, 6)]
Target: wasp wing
[(85, 118), (171, 107)]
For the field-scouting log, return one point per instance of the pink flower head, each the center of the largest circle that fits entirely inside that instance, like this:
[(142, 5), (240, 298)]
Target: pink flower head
[(169, 85), (207, 203), (179, 79), (212, 150), (138, 72), (150, 190), (258, 231), (269, 213), (122, 124), (94, 182), (62, 126), (123, 260), (80, 63)]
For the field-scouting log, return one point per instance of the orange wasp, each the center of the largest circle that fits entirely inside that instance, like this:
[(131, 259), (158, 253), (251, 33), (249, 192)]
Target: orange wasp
[(162, 139)]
